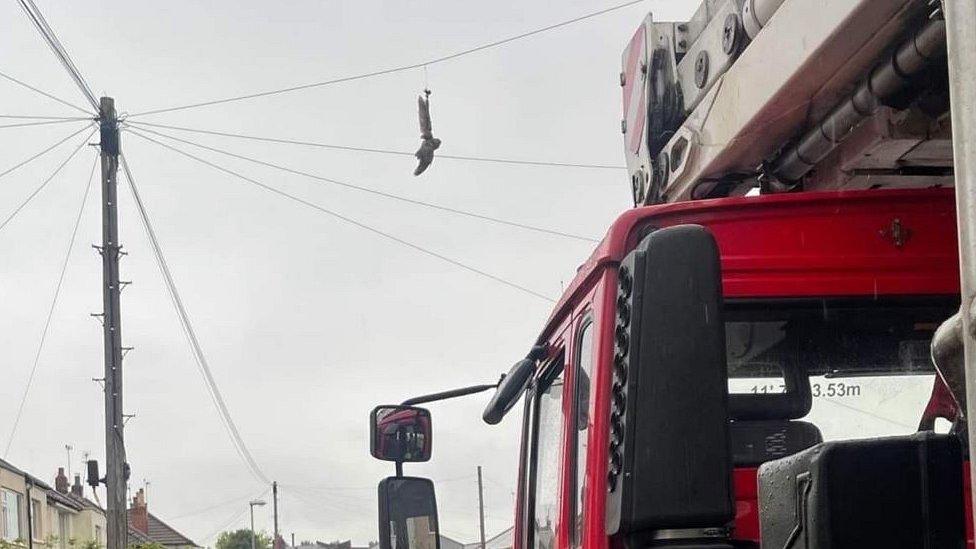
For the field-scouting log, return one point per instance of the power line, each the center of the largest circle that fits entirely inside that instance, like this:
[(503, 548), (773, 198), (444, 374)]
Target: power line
[(198, 355), (28, 117), (44, 183), (44, 123), (237, 516), (377, 192), (50, 312), (42, 153), (209, 508), (44, 93), (351, 221), (36, 17), (393, 69), (383, 151)]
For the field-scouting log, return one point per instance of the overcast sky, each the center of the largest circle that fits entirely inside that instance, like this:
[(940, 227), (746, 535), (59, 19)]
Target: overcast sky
[(308, 322)]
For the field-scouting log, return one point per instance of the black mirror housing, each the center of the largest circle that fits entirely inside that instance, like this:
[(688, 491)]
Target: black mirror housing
[(510, 389), (400, 433), (670, 461), (408, 514)]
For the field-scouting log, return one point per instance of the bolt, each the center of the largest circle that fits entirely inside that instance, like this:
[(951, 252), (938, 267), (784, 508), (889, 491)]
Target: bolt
[(730, 34), (701, 69)]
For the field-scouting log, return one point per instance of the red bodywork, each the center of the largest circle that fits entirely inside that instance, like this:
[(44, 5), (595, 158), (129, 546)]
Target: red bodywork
[(855, 243)]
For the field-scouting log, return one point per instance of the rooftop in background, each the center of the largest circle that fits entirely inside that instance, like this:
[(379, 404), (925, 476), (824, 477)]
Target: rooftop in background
[(502, 540), (146, 527)]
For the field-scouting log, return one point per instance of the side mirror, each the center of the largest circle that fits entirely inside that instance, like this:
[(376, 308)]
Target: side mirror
[(408, 514), (400, 433), (509, 391), (511, 387), (670, 463)]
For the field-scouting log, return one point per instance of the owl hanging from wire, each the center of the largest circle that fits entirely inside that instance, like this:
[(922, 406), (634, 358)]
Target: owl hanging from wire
[(429, 143)]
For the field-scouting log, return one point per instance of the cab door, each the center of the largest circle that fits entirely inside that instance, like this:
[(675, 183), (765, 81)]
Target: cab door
[(541, 514), (555, 440)]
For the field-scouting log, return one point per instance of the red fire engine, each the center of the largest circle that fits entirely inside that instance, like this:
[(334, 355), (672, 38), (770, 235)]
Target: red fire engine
[(761, 352)]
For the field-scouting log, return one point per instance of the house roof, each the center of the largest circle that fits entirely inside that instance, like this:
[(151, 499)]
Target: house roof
[(64, 499), (10, 467), (137, 536), (162, 533), (502, 540), (85, 503)]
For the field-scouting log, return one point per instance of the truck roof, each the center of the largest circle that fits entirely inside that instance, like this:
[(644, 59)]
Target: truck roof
[(810, 244)]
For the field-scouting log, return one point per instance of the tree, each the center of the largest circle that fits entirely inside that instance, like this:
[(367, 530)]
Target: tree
[(241, 539)]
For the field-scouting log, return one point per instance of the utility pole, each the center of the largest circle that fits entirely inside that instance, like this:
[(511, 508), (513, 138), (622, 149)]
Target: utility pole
[(481, 507), (274, 495), (116, 468), (293, 539)]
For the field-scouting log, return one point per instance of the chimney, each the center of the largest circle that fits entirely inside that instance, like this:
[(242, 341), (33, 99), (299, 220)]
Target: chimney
[(138, 514), (77, 489), (61, 481)]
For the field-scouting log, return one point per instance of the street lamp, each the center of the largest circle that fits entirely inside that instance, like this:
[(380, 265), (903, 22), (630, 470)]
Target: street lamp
[(252, 503)]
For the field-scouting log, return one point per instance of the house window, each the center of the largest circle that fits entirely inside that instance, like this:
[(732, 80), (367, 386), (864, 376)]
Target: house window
[(36, 519), (10, 504), (64, 529)]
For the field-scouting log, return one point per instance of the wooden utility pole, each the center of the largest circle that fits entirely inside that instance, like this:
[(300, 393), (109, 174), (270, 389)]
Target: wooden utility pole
[(481, 507), (274, 493), (116, 468)]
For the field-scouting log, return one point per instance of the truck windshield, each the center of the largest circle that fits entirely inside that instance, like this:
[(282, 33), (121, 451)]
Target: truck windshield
[(867, 360)]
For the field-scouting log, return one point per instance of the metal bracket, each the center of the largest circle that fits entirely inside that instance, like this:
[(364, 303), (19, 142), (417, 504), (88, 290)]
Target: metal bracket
[(897, 234)]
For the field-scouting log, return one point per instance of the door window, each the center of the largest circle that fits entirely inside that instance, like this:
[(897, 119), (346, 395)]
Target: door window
[(548, 445), (584, 375)]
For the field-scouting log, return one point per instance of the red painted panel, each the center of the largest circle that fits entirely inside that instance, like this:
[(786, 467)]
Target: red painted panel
[(787, 245), (805, 244)]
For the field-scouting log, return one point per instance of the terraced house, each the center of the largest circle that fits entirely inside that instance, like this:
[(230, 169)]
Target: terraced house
[(35, 514)]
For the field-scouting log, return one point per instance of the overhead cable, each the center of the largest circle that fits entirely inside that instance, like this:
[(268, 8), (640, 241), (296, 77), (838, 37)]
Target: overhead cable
[(36, 17), (212, 507), (377, 192), (190, 334), (44, 93), (349, 220), (44, 123), (50, 311), (382, 151), (237, 516), (43, 184), (42, 153), (28, 117), (391, 70)]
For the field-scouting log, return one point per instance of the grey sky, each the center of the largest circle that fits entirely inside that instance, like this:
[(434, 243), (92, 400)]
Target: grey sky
[(307, 322)]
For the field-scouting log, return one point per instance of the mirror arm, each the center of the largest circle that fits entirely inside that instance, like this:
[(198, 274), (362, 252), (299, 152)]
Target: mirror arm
[(453, 393)]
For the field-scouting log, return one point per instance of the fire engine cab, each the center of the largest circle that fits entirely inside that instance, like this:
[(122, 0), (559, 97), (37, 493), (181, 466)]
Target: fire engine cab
[(768, 350)]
